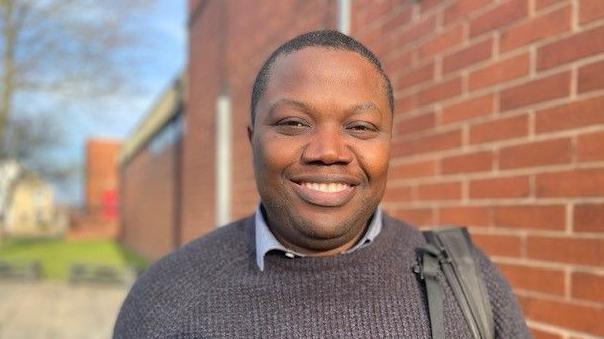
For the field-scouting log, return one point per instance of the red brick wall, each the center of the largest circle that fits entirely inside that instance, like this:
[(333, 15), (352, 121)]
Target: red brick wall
[(101, 170), (149, 208), (499, 125)]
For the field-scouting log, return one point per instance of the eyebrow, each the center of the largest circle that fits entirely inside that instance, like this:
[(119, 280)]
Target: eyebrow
[(356, 109), (289, 102)]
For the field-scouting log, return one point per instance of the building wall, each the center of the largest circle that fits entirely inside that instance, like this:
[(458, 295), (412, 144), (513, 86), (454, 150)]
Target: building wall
[(223, 53), (499, 125), (31, 211), (101, 171), (149, 209)]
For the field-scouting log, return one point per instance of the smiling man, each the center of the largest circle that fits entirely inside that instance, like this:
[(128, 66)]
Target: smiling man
[(318, 258)]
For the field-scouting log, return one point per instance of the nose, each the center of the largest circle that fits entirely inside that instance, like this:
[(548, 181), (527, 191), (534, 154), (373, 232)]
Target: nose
[(327, 146)]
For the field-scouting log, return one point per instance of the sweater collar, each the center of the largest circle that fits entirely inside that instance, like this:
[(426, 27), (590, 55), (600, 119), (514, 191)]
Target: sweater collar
[(266, 241)]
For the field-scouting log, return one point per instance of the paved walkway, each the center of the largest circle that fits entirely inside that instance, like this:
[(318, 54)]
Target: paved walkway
[(48, 310)]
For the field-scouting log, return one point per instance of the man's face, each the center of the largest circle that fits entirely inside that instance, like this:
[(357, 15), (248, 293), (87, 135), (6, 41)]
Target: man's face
[(321, 144)]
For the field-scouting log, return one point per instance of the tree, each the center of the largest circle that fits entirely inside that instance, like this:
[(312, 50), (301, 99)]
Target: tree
[(62, 51)]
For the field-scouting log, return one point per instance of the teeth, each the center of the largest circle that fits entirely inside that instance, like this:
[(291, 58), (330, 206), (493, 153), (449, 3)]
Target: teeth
[(331, 187)]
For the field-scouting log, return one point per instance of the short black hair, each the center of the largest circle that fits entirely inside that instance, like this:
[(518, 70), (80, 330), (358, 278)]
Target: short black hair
[(324, 38)]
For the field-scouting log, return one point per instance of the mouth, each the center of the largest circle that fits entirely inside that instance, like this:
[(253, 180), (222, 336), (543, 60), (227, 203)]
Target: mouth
[(331, 187), (325, 191)]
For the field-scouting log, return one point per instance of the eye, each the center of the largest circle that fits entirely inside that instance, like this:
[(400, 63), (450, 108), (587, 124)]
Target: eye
[(292, 126), (362, 129)]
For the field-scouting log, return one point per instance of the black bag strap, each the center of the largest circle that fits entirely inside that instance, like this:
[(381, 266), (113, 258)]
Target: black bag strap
[(428, 271), (450, 249)]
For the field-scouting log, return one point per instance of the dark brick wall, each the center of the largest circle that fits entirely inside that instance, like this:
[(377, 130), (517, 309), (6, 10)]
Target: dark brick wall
[(149, 192)]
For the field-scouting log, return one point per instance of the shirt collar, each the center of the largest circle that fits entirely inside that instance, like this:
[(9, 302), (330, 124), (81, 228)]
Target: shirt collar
[(266, 241)]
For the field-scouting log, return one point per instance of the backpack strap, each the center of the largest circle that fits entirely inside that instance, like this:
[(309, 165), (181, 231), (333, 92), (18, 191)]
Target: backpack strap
[(428, 272), (451, 250)]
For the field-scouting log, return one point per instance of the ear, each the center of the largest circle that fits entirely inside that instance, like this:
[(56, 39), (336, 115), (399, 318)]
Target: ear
[(250, 133)]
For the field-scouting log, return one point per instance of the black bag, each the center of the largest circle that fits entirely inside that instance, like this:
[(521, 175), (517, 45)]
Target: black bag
[(449, 250)]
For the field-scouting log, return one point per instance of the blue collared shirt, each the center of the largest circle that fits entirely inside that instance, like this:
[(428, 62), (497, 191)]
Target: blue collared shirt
[(266, 241)]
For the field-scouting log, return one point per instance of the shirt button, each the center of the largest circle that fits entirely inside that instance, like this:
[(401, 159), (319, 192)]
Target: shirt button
[(289, 255)]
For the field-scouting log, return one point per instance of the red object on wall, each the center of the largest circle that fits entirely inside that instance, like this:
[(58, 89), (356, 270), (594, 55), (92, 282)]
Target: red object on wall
[(109, 205)]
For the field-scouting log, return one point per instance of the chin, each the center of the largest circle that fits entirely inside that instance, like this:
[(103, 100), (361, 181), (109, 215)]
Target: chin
[(324, 228)]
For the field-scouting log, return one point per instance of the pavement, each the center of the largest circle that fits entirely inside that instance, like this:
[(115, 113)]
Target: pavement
[(49, 310)]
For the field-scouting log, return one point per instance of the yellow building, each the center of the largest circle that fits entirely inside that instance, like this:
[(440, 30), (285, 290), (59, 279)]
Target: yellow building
[(27, 206)]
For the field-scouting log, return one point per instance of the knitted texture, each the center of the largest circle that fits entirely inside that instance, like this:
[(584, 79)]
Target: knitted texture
[(212, 288)]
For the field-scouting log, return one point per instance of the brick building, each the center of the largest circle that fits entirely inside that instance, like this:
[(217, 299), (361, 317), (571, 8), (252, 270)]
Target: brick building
[(100, 177), (150, 185), (499, 125), (99, 216)]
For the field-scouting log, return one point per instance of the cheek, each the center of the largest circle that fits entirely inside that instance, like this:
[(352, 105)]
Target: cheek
[(272, 156), (375, 161)]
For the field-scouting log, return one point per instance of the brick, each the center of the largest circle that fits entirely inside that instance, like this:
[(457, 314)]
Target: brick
[(590, 77), (573, 183), (574, 47), (480, 51), (465, 215), (427, 5), (546, 217), (539, 334), (544, 89), (541, 4), (500, 72), (590, 147), (467, 109), (440, 91), (499, 16), (532, 278), (545, 26), (427, 144), (467, 163), (587, 286), (590, 10), (377, 10), (417, 123), (579, 251), (499, 245), (501, 187), (462, 8), (439, 191), (400, 19), (573, 115), (416, 31), (398, 194), (413, 170), (441, 42), (540, 153), (416, 76), (406, 103), (582, 318), (415, 216), (499, 129), (399, 63), (589, 218)]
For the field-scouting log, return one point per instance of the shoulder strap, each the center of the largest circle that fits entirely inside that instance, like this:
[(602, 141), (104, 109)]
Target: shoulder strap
[(451, 248)]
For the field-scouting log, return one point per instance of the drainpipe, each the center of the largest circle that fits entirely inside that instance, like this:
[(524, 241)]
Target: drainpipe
[(344, 16)]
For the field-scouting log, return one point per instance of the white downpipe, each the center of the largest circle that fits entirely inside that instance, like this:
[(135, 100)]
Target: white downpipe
[(344, 16), (223, 159)]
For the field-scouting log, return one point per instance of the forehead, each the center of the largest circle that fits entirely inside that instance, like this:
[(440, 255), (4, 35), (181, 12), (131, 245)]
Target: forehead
[(325, 72)]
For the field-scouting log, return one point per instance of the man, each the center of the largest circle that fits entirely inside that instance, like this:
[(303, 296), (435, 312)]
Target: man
[(318, 258)]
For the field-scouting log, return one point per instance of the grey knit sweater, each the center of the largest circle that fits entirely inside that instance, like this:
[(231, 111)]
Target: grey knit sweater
[(213, 288)]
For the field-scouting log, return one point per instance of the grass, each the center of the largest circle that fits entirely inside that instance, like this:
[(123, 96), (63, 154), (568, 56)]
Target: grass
[(56, 255)]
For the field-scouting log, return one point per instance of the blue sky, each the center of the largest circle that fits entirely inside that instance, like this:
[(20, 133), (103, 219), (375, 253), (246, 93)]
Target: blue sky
[(162, 60)]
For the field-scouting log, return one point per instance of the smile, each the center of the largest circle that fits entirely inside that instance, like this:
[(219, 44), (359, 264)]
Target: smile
[(332, 187), (324, 194)]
